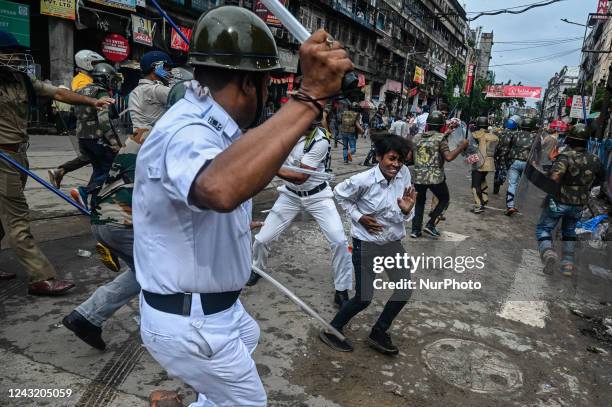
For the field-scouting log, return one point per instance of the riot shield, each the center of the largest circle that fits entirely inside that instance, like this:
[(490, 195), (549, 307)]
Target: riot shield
[(535, 184), (457, 136)]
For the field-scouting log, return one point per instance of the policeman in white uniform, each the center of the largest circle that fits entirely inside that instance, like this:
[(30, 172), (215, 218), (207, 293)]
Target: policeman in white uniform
[(195, 175), (309, 193)]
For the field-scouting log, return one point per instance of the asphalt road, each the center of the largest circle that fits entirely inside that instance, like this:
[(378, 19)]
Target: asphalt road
[(514, 342)]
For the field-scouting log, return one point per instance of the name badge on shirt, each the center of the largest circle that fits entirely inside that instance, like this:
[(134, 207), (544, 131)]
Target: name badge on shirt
[(215, 123)]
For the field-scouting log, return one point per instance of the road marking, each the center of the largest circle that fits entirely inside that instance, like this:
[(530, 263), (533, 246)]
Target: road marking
[(520, 304)]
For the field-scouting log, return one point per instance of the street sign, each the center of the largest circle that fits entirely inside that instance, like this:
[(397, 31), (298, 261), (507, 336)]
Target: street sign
[(58, 8), (577, 112), (123, 4), (115, 47), (15, 19)]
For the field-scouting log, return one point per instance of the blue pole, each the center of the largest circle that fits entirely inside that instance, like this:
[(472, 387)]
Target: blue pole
[(167, 17), (57, 192)]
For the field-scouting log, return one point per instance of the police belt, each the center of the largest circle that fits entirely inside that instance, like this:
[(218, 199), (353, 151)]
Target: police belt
[(313, 191), (180, 304)]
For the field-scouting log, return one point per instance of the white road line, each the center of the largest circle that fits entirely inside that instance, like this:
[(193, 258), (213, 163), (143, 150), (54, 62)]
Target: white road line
[(522, 304)]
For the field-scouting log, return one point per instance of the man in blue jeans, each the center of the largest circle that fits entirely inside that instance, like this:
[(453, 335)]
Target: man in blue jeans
[(576, 171), (518, 154), (350, 126)]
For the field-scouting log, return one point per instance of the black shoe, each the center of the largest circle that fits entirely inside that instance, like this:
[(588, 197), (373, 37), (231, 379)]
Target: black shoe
[(341, 298), (335, 343), (253, 279), (431, 230), (381, 341), (85, 330)]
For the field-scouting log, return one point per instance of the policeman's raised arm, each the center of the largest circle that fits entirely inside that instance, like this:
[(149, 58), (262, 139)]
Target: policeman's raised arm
[(249, 164), (73, 98)]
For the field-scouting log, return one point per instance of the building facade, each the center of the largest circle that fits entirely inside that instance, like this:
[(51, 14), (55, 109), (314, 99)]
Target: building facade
[(555, 97), (484, 46)]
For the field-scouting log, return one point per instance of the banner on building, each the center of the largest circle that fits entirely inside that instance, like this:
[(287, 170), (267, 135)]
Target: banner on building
[(419, 75), (502, 91), (142, 30), (577, 111), (469, 82), (58, 8), (602, 11), (123, 4), (15, 19), (266, 15), (115, 48), (176, 42)]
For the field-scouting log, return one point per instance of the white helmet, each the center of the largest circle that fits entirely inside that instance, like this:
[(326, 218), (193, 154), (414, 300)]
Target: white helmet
[(85, 58)]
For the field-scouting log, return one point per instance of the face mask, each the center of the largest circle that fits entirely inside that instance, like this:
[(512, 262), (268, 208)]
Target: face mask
[(165, 76)]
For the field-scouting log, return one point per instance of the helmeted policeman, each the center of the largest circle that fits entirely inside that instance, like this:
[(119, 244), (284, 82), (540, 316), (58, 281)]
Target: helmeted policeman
[(302, 192), (576, 171), (486, 148), (195, 176), (518, 154), (430, 151), (501, 167), (17, 95)]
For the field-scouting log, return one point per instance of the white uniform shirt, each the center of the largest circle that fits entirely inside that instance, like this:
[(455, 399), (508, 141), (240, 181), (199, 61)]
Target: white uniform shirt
[(178, 247), (147, 103), (399, 128), (369, 193), (314, 158)]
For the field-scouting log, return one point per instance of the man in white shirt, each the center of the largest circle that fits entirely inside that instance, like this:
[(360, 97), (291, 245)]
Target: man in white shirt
[(312, 194), (399, 127), (380, 202), (421, 120), (195, 176)]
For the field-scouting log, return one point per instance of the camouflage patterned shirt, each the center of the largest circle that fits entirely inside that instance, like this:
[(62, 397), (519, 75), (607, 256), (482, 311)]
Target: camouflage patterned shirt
[(579, 171), (429, 148), (92, 123), (520, 145)]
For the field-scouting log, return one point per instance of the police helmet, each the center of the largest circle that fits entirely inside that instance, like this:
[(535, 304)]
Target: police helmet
[(233, 38), (579, 132), (86, 59), (105, 75), (482, 122), (511, 124), (528, 123), (435, 120)]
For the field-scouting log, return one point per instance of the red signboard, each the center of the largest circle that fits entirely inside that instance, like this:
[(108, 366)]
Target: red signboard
[(602, 7), (115, 48), (176, 42), (266, 15), (514, 92), (470, 79)]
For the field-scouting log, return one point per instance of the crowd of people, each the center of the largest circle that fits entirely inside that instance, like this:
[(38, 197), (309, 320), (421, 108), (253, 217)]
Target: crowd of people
[(173, 201)]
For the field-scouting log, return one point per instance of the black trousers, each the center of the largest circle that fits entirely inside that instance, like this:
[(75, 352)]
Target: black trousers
[(441, 192), (480, 187), (363, 254)]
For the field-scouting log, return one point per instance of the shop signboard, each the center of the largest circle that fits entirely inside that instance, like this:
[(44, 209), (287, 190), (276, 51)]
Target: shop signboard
[(469, 82), (176, 42), (577, 111), (419, 75), (58, 8), (115, 48), (266, 15), (15, 19), (123, 4), (503, 91), (142, 30)]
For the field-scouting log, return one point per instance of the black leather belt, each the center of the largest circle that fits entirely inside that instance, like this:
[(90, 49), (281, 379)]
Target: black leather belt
[(313, 191), (180, 304)]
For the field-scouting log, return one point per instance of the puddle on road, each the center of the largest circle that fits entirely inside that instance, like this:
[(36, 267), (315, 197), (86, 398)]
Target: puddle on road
[(472, 366)]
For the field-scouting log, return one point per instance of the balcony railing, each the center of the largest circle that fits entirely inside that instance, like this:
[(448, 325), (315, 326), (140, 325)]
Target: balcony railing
[(360, 18)]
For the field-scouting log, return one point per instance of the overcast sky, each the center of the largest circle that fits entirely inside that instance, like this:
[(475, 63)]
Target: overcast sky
[(536, 24)]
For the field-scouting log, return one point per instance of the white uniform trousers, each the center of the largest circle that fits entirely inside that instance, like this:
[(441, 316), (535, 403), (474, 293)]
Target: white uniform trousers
[(321, 206), (211, 353)]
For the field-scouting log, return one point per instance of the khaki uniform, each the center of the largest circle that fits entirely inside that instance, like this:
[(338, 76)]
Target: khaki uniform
[(487, 148), (14, 211)]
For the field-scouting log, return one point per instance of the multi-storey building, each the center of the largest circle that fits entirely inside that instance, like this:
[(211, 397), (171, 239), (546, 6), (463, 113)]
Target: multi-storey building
[(484, 46), (555, 98)]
